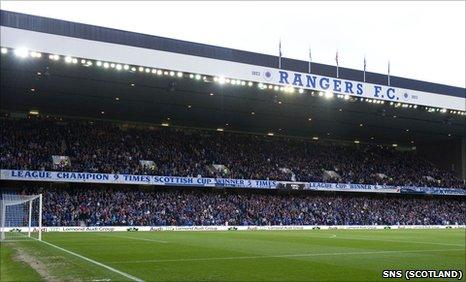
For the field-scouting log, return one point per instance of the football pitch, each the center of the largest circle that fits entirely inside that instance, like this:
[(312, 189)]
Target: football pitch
[(314, 255)]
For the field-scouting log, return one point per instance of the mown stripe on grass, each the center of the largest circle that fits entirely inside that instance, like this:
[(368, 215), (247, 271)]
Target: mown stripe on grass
[(399, 241), (349, 237), (283, 256)]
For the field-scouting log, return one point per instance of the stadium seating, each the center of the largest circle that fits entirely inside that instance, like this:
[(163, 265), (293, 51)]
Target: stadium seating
[(105, 206), (112, 148)]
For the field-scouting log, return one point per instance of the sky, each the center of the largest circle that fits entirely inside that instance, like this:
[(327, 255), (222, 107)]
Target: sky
[(422, 40)]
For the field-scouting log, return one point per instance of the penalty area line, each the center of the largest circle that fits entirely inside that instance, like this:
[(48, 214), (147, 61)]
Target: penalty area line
[(129, 276)]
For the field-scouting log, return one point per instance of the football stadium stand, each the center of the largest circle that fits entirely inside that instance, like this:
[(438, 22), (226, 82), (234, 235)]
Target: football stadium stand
[(30, 144), (145, 130), (131, 206)]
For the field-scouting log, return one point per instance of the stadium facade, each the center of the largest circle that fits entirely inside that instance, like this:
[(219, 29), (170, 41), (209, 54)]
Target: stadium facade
[(57, 68)]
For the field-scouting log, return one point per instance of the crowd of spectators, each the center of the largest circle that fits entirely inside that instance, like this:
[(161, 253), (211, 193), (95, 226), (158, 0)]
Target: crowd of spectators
[(113, 148), (103, 206)]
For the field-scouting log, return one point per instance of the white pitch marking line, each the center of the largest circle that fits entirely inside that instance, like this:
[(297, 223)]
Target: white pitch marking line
[(13, 240), (333, 236), (131, 277), (137, 238), (283, 256), (384, 240), (399, 241)]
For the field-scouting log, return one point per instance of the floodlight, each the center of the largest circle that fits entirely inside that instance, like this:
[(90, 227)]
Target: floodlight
[(21, 52), (35, 54)]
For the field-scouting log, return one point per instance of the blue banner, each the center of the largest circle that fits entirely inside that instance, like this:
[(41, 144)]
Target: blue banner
[(87, 177)]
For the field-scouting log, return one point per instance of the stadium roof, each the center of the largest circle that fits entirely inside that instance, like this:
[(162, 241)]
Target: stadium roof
[(58, 88), (103, 34)]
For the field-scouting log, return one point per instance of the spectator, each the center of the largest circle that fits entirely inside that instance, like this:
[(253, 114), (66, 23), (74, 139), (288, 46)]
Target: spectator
[(104, 206), (108, 148)]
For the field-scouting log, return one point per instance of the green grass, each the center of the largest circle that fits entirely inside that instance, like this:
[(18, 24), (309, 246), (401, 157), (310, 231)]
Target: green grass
[(317, 255), (11, 269)]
